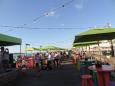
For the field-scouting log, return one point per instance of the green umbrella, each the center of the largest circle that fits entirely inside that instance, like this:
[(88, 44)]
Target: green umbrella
[(29, 49), (51, 48), (37, 49), (96, 35), (6, 40)]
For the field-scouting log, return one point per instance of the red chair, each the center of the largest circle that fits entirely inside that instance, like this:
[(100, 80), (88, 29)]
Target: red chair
[(87, 80)]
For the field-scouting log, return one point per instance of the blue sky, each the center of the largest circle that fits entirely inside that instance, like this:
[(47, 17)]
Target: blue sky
[(79, 14)]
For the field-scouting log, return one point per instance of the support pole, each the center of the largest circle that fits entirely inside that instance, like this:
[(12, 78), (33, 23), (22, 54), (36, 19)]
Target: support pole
[(25, 49), (112, 48), (89, 48), (20, 49), (99, 51)]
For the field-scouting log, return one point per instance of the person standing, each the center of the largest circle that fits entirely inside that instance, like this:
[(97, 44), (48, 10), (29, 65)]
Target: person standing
[(49, 61), (1, 57), (5, 59), (56, 59), (38, 61)]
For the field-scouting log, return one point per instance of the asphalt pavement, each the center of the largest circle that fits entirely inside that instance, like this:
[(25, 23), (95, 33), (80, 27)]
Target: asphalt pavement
[(66, 75)]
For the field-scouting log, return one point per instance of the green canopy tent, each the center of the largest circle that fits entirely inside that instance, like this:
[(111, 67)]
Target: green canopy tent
[(6, 40), (44, 48), (39, 49), (51, 48), (97, 35), (30, 49), (33, 49)]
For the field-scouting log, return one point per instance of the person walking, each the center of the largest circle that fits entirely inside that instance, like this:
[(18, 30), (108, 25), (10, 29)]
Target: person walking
[(57, 58), (49, 67)]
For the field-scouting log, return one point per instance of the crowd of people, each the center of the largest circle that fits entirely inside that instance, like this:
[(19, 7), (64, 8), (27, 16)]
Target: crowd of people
[(45, 60), (50, 60), (77, 55), (54, 59)]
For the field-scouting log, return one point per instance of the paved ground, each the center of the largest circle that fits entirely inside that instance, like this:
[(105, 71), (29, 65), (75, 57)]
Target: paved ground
[(67, 75)]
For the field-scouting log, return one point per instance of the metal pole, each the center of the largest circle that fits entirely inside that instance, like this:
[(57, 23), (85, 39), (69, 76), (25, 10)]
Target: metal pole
[(40, 48), (89, 48), (99, 51), (25, 49), (112, 48), (20, 49)]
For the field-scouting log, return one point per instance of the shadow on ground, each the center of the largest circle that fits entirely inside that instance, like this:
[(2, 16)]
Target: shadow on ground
[(66, 75)]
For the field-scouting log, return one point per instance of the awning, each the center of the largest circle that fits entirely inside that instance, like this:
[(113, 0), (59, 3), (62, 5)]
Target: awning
[(6, 40)]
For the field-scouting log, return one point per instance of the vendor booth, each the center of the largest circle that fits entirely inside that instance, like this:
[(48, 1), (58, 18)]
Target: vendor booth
[(6, 40)]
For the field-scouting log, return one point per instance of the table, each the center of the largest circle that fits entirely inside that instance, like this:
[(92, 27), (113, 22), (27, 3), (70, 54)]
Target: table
[(103, 74), (84, 64)]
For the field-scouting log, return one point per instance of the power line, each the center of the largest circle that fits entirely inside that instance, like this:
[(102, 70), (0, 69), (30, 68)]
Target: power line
[(8, 30), (54, 10), (45, 43), (37, 28), (43, 15)]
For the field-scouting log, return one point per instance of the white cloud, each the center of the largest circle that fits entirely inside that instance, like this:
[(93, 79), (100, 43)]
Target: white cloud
[(62, 24), (51, 13), (79, 6)]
